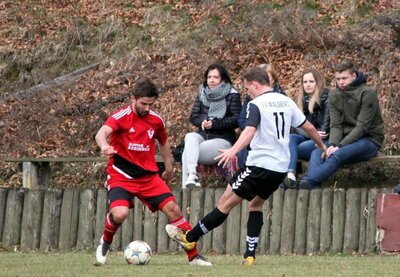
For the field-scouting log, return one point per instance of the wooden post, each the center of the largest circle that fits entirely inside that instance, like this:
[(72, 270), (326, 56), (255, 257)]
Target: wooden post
[(13, 218), (288, 222), (218, 234), (208, 207), (69, 219), (370, 243), (150, 228), (172, 245), (300, 237), (338, 217), (352, 223), (266, 229), (243, 226), (233, 231), (35, 175), (138, 220), (314, 222), (87, 214), (162, 236), (363, 219), (3, 201), (101, 213), (31, 220), (127, 230), (277, 210), (51, 219), (30, 175), (326, 220), (196, 208)]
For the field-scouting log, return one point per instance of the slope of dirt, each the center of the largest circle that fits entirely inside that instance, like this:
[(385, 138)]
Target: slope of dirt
[(63, 121)]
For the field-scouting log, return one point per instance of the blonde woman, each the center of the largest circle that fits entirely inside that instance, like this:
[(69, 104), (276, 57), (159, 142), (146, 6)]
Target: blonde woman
[(312, 99)]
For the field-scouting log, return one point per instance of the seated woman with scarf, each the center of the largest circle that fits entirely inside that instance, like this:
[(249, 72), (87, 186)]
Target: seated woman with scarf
[(214, 113)]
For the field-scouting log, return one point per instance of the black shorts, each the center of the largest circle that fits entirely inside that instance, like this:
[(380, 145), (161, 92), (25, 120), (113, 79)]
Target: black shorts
[(252, 181)]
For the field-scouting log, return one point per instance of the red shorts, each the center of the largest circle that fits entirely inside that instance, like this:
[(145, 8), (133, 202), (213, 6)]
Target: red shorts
[(150, 189)]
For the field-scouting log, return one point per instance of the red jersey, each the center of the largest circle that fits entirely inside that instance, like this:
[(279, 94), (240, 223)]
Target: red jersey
[(133, 138)]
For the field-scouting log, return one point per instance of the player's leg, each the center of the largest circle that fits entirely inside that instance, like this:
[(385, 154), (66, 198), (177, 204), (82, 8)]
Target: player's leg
[(176, 219), (158, 196), (214, 219), (120, 201), (254, 224)]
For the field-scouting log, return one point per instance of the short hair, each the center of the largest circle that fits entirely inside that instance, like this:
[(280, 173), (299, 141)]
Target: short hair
[(223, 73), (144, 88), (345, 65), (257, 74)]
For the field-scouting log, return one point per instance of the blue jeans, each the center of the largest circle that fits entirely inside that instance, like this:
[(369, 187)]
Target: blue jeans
[(320, 170), (300, 148)]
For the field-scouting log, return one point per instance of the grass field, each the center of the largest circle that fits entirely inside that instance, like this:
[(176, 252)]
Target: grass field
[(82, 264)]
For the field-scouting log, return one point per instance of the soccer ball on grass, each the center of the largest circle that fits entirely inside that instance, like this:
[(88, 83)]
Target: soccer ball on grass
[(137, 253)]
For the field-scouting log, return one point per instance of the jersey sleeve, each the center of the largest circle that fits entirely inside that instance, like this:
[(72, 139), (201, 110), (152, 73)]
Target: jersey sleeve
[(112, 122), (253, 116), (162, 133), (298, 118)]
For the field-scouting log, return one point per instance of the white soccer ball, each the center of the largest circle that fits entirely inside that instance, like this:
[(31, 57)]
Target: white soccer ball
[(137, 253)]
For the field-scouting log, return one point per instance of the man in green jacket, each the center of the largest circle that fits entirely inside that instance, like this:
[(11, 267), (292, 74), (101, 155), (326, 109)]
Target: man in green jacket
[(356, 132)]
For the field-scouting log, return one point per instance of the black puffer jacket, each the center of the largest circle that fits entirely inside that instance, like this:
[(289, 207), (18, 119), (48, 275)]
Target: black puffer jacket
[(221, 128), (320, 117)]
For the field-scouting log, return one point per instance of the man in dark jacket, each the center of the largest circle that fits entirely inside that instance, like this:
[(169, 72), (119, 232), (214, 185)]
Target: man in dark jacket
[(356, 126)]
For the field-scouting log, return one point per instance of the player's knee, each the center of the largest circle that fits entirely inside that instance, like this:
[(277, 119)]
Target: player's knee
[(120, 215)]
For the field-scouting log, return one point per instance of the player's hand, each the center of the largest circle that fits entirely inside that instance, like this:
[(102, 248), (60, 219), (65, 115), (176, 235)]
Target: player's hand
[(166, 176), (226, 157), (108, 150)]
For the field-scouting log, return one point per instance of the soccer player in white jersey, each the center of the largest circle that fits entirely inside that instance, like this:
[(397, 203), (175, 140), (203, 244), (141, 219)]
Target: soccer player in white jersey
[(270, 116)]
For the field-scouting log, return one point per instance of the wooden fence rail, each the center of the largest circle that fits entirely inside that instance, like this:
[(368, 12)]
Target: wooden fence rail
[(295, 222)]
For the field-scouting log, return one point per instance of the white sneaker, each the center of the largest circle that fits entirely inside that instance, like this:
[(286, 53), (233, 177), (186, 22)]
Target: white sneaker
[(192, 181), (102, 252), (200, 261)]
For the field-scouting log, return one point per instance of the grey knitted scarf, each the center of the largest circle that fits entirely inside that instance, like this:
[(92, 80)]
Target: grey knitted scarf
[(215, 99)]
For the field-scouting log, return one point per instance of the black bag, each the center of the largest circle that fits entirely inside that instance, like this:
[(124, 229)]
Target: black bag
[(177, 152)]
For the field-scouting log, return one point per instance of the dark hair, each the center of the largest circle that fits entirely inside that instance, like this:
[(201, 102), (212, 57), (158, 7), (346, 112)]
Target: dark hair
[(345, 65), (257, 74), (144, 88), (222, 72)]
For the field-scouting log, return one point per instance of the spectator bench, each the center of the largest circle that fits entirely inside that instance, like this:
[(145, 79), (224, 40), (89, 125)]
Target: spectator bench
[(36, 172)]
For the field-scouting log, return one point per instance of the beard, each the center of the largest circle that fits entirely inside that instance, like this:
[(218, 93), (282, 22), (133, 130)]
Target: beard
[(141, 112)]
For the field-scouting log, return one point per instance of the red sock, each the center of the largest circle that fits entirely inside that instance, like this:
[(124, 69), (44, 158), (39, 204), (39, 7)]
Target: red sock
[(184, 225), (110, 228)]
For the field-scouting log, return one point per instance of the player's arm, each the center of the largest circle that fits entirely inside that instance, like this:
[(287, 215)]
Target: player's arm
[(102, 138), (244, 139), (165, 152)]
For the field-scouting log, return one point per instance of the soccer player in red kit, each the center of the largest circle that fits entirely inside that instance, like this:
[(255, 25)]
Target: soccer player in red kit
[(129, 137)]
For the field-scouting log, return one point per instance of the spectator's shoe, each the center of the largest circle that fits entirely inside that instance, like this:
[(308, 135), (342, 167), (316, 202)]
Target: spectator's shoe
[(179, 236), (192, 181), (102, 252), (200, 261), (397, 189), (290, 183), (249, 261)]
